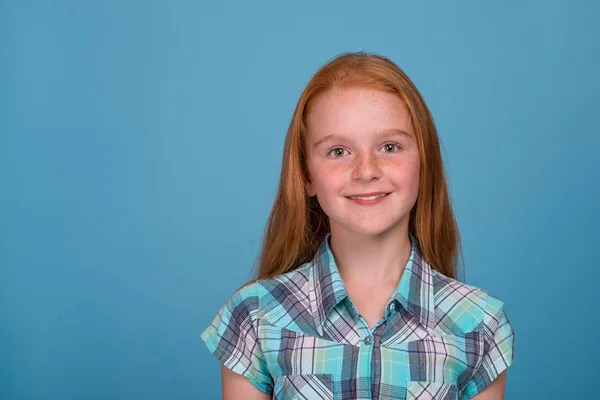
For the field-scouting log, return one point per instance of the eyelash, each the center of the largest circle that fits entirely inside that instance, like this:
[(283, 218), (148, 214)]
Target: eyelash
[(335, 148)]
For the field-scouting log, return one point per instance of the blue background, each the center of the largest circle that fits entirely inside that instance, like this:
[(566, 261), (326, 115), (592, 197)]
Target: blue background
[(140, 150)]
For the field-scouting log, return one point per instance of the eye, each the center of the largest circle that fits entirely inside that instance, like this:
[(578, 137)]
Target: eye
[(337, 152), (388, 145)]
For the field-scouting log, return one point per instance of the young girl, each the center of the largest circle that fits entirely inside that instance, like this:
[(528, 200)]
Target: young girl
[(356, 295)]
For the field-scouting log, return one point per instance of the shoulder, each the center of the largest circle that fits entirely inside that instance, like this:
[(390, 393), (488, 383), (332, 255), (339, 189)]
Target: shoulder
[(461, 308), (241, 306), (293, 280), (260, 295), (286, 299)]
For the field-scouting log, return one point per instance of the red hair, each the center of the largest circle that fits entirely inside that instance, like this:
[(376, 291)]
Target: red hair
[(297, 225)]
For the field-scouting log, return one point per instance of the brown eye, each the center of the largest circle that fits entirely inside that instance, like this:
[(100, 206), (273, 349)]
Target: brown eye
[(391, 146), (338, 152)]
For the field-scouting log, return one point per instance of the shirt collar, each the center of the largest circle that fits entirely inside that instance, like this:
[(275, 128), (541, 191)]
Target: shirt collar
[(414, 291)]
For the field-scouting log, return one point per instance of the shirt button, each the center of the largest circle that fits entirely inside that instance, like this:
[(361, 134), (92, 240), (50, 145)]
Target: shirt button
[(368, 340), (392, 307)]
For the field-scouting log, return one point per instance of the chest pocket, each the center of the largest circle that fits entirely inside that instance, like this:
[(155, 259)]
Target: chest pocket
[(438, 360), (304, 386), (430, 390)]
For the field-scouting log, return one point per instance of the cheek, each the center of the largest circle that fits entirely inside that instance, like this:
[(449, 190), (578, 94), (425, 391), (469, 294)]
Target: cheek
[(329, 184), (407, 172), (331, 178), (414, 179)]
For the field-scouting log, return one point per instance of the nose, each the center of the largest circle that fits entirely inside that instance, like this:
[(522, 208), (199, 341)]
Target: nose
[(366, 168)]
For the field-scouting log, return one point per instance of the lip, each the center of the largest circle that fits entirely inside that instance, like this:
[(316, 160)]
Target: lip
[(367, 194), (364, 202)]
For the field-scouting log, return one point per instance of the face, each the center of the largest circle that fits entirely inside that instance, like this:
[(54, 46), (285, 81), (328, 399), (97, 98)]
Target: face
[(362, 141)]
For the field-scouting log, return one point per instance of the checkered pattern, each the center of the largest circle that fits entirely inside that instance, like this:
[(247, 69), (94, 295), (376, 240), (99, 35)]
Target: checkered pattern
[(299, 336)]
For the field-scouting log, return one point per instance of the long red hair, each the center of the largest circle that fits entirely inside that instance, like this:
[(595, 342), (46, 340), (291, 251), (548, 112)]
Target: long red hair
[(297, 225)]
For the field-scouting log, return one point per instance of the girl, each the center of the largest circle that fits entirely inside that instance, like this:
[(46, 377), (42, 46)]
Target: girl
[(356, 295)]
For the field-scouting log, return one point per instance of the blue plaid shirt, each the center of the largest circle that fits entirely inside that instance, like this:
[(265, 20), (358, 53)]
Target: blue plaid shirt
[(299, 336)]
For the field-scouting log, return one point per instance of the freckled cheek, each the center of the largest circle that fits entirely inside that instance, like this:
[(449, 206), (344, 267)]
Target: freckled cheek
[(336, 171), (333, 178)]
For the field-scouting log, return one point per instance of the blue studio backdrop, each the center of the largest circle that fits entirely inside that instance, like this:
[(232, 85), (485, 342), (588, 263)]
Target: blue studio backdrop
[(140, 151)]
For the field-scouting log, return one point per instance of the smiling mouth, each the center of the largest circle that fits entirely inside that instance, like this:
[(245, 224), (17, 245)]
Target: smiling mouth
[(368, 197)]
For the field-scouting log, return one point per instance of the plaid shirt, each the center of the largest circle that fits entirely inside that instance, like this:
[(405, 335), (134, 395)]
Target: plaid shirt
[(299, 336)]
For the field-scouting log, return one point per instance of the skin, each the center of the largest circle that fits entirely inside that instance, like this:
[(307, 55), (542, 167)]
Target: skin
[(495, 390), (374, 150), (236, 386)]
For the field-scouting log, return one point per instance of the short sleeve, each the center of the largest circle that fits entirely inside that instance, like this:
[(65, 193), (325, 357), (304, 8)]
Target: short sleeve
[(499, 340), (233, 338)]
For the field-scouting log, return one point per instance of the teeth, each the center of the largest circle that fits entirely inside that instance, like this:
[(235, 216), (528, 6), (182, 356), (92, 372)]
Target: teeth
[(368, 198)]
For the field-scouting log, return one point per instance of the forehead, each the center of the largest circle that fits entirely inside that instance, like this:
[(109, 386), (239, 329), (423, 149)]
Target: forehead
[(357, 110)]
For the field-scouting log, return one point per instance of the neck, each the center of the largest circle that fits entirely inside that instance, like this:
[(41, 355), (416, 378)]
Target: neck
[(371, 261)]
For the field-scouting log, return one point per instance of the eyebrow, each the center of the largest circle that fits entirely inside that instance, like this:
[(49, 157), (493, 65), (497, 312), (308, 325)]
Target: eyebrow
[(387, 132)]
